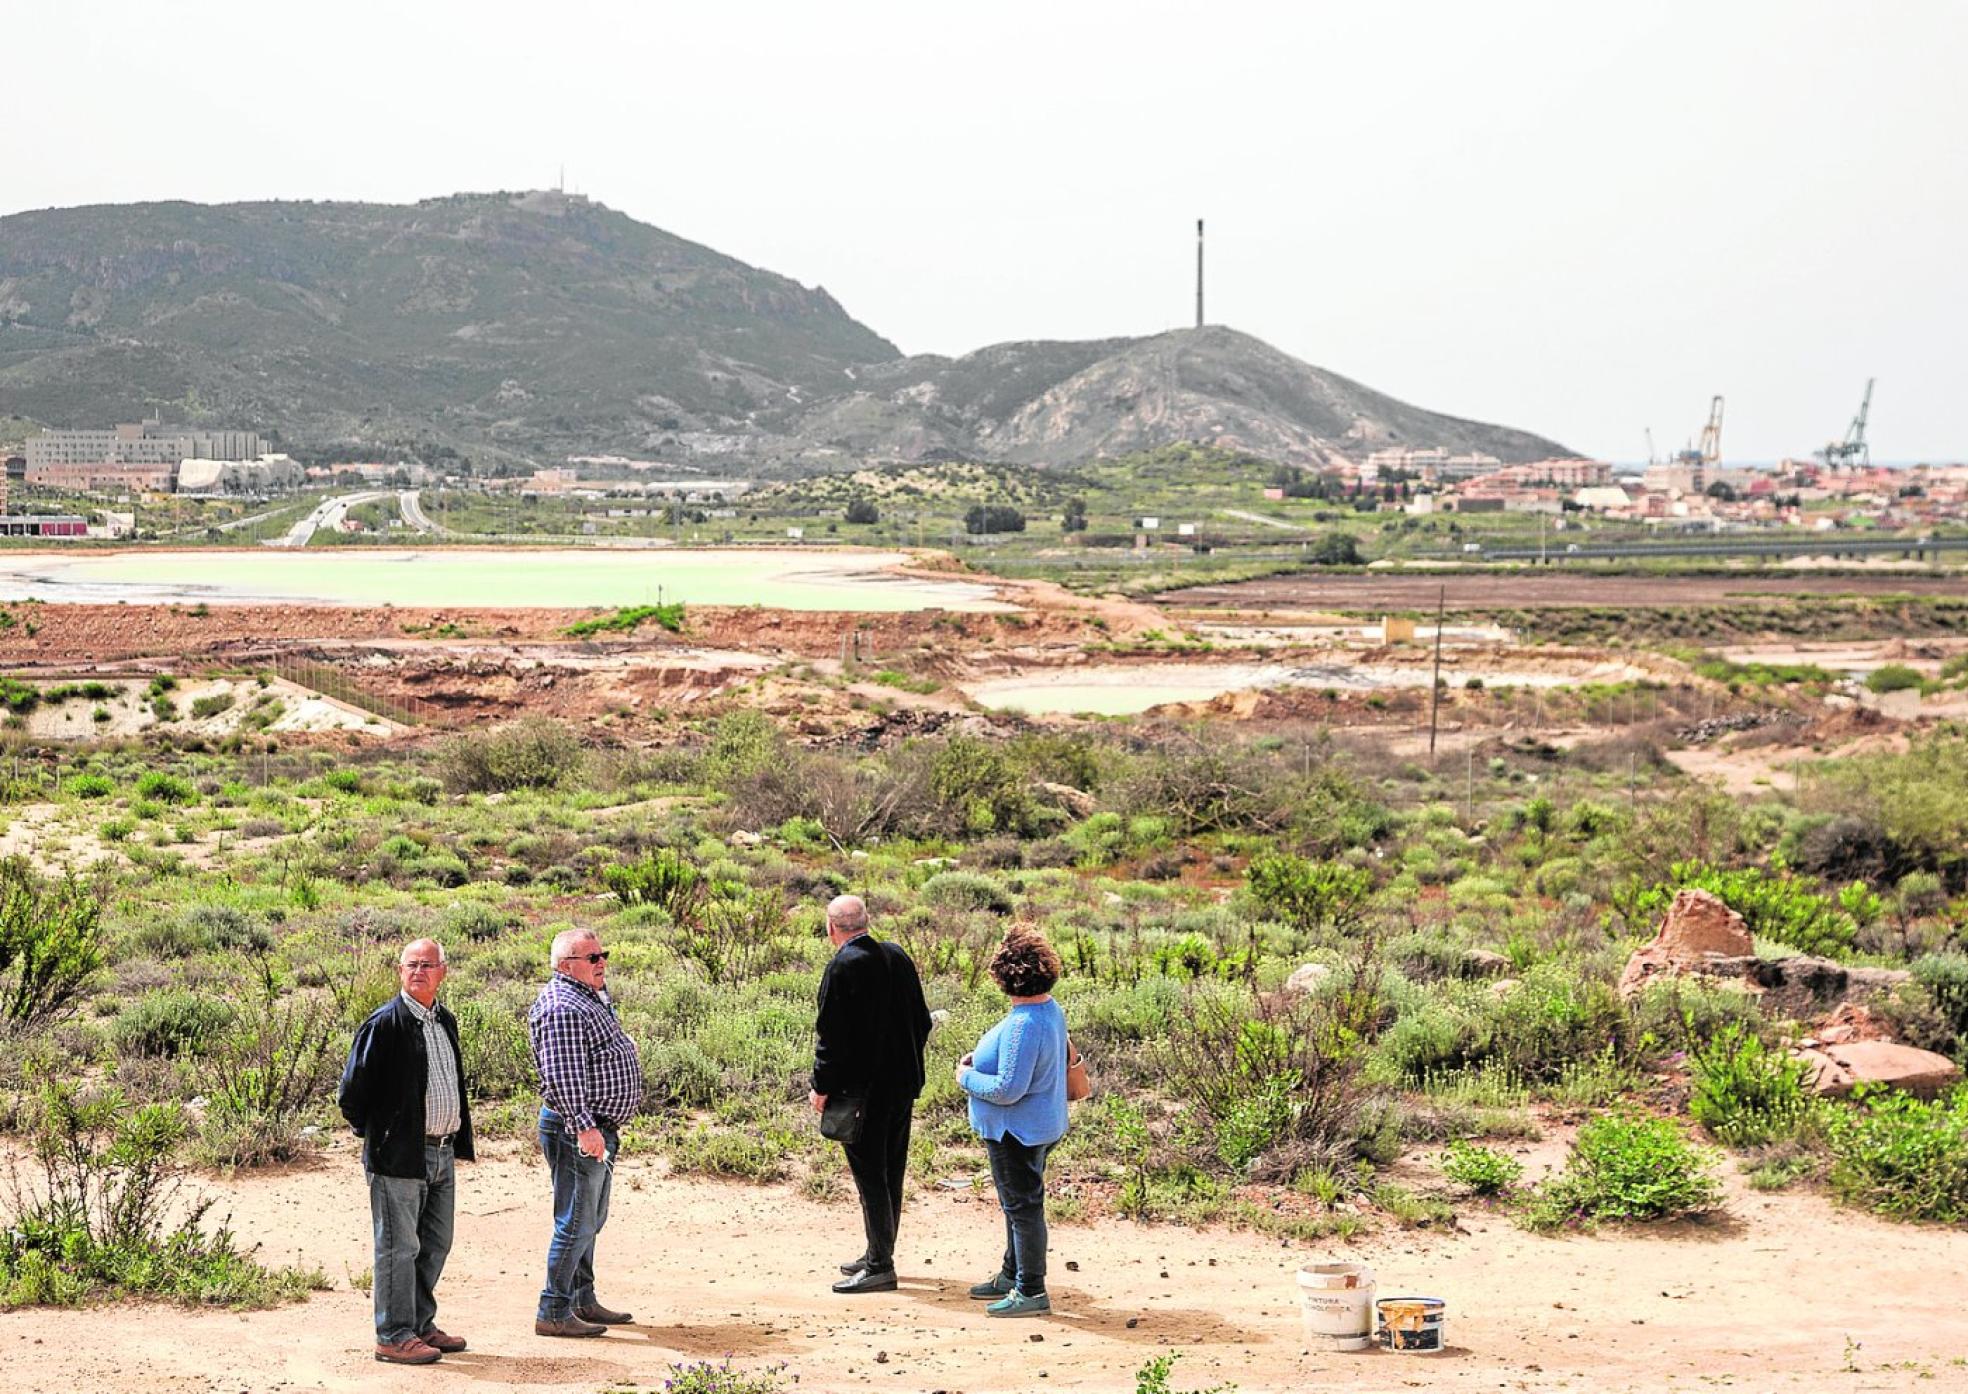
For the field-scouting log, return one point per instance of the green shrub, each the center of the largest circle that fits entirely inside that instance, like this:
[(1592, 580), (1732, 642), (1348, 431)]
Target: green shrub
[(1902, 1157), (1554, 1019), (629, 619), (664, 878), (979, 788), (1626, 1167), (475, 920), (1945, 977), (18, 697), (1744, 1092), (1153, 1378), (498, 1055), (444, 869), (90, 785), (967, 890), (160, 787), (535, 753), (229, 928), (106, 1220), (1893, 677), (168, 1024), (261, 1077), (702, 1377), (211, 705), (1311, 897), (1482, 1170), (749, 1154), (50, 944)]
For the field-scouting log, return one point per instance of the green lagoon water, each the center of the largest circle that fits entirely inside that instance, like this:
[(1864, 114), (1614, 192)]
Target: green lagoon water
[(487, 577)]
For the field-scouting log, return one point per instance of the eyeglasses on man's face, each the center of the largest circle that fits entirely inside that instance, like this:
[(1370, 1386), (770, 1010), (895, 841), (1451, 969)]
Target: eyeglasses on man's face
[(421, 965), (601, 957)]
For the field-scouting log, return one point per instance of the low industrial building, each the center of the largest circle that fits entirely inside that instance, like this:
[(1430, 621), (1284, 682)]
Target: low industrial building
[(37, 525)]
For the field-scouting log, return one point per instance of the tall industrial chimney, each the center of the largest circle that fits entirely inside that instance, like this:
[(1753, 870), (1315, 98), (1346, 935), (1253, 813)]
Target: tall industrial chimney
[(1199, 273)]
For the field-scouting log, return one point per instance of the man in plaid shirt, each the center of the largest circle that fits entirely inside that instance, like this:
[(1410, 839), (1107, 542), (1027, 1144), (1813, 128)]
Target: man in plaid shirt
[(590, 1084)]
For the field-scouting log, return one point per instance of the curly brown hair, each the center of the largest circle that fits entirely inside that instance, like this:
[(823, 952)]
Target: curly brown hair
[(1025, 965)]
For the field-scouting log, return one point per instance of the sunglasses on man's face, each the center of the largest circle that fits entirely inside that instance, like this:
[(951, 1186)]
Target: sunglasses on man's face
[(601, 957)]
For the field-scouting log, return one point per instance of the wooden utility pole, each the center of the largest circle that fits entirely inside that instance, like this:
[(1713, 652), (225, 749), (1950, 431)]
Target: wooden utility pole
[(1435, 686)]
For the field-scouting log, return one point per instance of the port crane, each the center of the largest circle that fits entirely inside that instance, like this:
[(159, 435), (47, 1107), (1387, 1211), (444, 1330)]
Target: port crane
[(1853, 450), (1709, 452)]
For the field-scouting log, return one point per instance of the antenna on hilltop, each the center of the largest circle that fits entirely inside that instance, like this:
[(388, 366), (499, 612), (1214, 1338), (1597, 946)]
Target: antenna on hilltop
[(1199, 273), (561, 186)]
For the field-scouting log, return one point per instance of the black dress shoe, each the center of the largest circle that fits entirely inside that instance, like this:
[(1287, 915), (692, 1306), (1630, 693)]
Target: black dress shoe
[(868, 1280), (855, 1265)]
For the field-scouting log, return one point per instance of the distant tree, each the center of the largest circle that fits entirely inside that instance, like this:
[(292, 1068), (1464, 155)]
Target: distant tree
[(1337, 549), (993, 517), (863, 511), (1723, 490), (1076, 516)]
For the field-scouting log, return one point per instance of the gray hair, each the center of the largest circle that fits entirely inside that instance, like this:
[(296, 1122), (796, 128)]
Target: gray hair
[(564, 942), (847, 913), (404, 956)]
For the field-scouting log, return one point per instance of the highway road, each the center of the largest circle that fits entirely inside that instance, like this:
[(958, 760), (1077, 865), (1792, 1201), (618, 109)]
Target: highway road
[(328, 514)]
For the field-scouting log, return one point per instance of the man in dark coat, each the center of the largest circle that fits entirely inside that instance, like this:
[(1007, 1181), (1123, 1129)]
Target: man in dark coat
[(403, 1091), (872, 1025)]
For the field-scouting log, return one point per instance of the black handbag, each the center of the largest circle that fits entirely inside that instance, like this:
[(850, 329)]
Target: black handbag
[(843, 1118)]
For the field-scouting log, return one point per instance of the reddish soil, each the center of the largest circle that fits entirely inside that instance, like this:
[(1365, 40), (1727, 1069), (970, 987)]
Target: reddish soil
[(75, 635), (1544, 589)]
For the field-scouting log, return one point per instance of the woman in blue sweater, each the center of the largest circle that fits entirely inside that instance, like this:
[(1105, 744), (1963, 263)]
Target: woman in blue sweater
[(1016, 1079)]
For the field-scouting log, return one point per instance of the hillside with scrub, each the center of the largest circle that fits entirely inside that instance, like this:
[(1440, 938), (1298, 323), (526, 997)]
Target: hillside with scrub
[(1327, 995)]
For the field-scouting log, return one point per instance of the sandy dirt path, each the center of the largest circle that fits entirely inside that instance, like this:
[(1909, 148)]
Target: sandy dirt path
[(1763, 1301)]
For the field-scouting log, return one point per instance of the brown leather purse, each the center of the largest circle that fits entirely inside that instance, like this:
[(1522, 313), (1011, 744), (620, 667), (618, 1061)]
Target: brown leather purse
[(1078, 1084)]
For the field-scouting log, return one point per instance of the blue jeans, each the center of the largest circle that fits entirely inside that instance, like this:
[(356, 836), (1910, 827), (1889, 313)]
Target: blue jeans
[(1019, 1173), (580, 1200), (413, 1223)]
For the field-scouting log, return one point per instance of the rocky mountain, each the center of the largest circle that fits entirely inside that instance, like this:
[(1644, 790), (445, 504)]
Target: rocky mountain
[(1055, 403), (516, 329), (528, 325)]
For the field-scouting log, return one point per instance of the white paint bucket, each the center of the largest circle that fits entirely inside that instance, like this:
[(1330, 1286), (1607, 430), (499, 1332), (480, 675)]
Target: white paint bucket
[(1418, 1325), (1336, 1300)]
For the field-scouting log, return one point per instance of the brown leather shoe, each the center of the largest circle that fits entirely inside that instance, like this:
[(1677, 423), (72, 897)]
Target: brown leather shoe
[(566, 1326), (443, 1341), (414, 1351), (595, 1312)]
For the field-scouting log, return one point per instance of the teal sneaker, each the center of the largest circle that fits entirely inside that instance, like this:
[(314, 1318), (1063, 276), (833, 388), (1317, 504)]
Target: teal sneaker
[(997, 1285), (1017, 1304)]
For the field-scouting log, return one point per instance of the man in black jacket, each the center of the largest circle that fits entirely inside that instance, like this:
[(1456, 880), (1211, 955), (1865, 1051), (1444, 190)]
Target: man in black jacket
[(872, 1026), (403, 1091)]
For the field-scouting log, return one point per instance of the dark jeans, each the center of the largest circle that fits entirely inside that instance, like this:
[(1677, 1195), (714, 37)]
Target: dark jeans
[(877, 1163), (1019, 1172), (580, 1201), (413, 1223)]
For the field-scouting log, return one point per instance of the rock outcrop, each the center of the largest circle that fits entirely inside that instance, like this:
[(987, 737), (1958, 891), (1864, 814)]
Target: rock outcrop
[(1306, 978), (1838, 1069), (1699, 930)]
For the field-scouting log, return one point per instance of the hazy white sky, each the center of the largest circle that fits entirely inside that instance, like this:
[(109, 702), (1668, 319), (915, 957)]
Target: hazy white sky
[(1578, 218)]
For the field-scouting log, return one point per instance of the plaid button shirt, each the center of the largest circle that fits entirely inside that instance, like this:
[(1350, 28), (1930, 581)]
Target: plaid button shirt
[(443, 1110), (589, 1069)]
